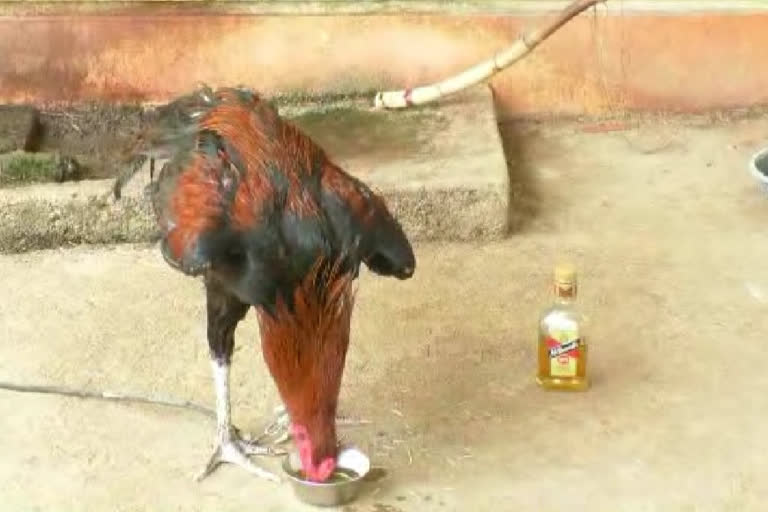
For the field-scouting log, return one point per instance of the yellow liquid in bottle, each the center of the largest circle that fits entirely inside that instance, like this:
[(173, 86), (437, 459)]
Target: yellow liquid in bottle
[(566, 372)]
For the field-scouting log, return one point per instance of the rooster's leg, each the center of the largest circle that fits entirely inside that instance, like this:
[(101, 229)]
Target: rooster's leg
[(224, 313)]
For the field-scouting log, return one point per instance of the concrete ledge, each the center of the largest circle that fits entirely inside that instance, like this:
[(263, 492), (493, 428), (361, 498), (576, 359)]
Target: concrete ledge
[(442, 170), (46, 224)]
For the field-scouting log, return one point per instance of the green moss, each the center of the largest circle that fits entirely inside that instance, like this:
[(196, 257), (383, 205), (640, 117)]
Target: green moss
[(350, 131), (303, 97), (19, 167)]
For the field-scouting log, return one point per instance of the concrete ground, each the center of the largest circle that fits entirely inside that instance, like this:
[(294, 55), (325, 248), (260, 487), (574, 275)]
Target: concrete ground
[(668, 231)]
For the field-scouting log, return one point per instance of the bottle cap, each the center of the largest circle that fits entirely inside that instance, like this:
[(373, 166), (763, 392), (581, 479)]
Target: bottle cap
[(565, 274)]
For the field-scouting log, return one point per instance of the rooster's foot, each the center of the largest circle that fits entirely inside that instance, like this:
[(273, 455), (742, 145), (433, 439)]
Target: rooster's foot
[(234, 450)]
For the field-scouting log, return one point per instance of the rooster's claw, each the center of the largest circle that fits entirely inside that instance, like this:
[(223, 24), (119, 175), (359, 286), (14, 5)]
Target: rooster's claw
[(234, 450)]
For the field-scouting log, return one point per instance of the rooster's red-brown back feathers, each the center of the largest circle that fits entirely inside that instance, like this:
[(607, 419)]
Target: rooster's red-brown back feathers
[(251, 198)]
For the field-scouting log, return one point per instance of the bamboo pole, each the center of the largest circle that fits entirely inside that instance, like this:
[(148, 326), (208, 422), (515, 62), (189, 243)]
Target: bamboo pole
[(486, 69)]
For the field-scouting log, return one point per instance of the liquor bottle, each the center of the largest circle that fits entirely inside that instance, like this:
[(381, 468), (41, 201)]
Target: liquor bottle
[(562, 337)]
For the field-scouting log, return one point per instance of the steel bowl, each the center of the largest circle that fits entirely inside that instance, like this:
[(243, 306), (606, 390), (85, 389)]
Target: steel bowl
[(329, 494), (758, 166)]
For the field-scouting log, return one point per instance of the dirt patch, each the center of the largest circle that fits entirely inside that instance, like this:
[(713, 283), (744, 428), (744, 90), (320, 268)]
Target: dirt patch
[(97, 136)]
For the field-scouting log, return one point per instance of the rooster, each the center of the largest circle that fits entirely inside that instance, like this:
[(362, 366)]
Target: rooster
[(258, 210)]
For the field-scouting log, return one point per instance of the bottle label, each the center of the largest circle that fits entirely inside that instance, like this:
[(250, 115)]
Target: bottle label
[(563, 355)]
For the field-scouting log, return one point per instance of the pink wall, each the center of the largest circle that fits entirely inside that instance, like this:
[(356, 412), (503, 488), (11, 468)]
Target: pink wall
[(677, 62)]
